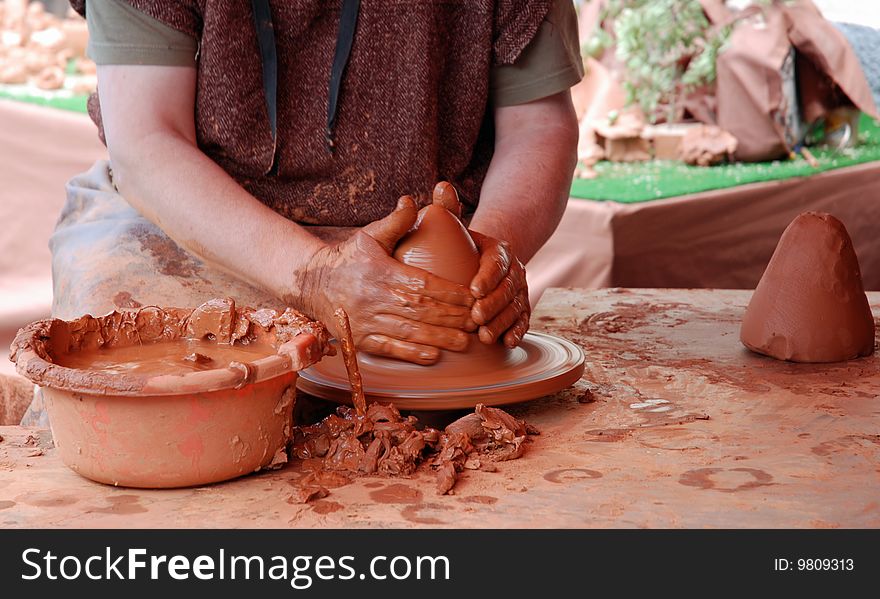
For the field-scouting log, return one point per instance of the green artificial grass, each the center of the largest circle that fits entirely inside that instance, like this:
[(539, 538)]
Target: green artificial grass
[(632, 182), (61, 99)]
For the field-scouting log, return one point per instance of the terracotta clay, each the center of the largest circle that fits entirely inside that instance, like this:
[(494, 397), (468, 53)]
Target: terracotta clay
[(441, 245), (810, 305), (381, 441), (445, 195), (168, 397), (349, 357), (489, 374)]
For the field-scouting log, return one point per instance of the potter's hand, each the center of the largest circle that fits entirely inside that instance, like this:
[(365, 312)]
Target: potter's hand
[(395, 310), (502, 308)]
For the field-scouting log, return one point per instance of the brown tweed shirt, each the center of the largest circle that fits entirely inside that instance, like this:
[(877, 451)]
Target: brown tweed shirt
[(413, 107)]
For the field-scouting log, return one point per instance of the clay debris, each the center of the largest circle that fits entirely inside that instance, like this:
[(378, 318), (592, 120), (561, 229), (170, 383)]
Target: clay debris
[(385, 443)]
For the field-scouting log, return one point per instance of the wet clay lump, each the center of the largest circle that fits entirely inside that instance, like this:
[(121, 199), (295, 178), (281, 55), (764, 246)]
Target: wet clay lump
[(810, 305)]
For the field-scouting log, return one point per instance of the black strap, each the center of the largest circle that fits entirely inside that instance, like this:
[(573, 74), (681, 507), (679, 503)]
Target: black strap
[(269, 57), (344, 40)]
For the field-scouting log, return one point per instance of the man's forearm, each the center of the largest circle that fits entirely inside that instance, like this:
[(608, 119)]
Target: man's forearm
[(204, 210), (526, 188)]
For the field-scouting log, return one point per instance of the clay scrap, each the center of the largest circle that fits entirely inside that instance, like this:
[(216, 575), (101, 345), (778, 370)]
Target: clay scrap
[(810, 305), (385, 443), (349, 356)]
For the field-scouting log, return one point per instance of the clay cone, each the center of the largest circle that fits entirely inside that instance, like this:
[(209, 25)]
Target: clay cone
[(439, 243), (810, 305)]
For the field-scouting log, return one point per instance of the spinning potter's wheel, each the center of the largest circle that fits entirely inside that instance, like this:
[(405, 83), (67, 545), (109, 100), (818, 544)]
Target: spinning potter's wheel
[(490, 375), (486, 374)]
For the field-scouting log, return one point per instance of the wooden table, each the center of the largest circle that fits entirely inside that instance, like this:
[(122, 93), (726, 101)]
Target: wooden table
[(673, 425)]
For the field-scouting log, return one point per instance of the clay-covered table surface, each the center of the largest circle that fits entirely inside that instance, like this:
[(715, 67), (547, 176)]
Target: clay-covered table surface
[(674, 424)]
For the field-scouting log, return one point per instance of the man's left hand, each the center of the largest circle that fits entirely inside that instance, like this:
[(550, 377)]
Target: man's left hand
[(502, 308)]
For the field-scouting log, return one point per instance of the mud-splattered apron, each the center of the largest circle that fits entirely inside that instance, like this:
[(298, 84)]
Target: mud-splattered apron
[(106, 255)]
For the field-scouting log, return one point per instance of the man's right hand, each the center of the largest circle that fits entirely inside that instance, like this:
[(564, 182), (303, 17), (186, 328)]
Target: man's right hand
[(395, 310)]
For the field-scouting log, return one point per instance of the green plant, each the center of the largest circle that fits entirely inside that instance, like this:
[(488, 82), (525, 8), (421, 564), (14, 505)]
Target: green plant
[(667, 48)]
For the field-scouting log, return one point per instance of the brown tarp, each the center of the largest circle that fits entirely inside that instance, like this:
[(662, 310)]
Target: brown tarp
[(720, 239), (749, 87)]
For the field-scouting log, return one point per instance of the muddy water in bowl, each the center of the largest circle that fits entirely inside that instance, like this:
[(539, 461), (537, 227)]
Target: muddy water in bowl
[(170, 397), (169, 357)]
